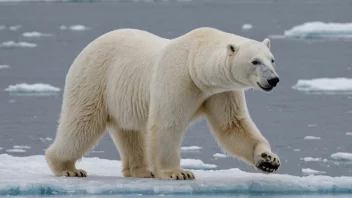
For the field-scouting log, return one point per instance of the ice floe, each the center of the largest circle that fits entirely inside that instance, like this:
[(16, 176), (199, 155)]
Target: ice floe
[(74, 27), (14, 150), (220, 155), (247, 26), (322, 85), (12, 44), (37, 88), (190, 148), (342, 156), (35, 34), (311, 159), (4, 66), (308, 171), (312, 138)]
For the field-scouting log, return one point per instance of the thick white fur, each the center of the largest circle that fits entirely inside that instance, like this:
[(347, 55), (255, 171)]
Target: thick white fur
[(146, 90)]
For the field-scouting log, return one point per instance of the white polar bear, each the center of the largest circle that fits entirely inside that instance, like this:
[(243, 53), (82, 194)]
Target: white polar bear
[(146, 90)]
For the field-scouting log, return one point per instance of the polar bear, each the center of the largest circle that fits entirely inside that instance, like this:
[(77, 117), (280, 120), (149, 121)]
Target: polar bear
[(145, 90)]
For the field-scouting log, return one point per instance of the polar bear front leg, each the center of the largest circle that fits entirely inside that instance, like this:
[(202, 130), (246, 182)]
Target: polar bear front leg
[(237, 134)]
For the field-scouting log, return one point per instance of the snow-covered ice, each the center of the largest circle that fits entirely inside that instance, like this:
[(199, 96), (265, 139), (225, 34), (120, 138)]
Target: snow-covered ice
[(4, 66), (220, 155), (311, 159), (35, 34), (308, 171), (46, 139), (196, 164), (324, 85), (15, 150), (21, 147), (190, 148), (11, 44), (31, 176), (74, 27), (247, 26), (37, 88), (297, 150), (312, 138), (318, 29), (342, 156), (348, 133)]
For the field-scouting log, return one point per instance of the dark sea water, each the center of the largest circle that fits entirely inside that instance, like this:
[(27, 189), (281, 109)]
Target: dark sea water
[(284, 116)]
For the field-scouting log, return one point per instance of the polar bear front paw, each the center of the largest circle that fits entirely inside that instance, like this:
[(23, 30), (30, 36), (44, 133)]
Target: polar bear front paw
[(74, 173), (267, 162), (176, 175)]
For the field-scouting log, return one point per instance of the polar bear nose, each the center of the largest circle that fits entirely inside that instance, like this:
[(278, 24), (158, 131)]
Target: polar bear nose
[(273, 82)]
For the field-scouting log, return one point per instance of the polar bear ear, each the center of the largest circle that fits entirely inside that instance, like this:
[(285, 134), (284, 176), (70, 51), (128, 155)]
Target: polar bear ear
[(267, 42), (231, 49)]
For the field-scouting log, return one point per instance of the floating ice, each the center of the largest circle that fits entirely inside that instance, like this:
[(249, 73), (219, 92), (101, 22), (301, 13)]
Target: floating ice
[(311, 159), (342, 156), (349, 133), (74, 27), (196, 164), (311, 138), (247, 26), (308, 171), (1, 148), (97, 151), (190, 148), (37, 88), (10, 44), (297, 150), (31, 176), (46, 139), (21, 147), (220, 155), (14, 150), (14, 27), (4, 66), (318, 29), (325, 85), (35, 34)]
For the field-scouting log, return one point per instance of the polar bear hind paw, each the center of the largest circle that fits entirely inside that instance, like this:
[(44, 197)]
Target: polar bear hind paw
[(74, 173), (268, 162), (177, 175)]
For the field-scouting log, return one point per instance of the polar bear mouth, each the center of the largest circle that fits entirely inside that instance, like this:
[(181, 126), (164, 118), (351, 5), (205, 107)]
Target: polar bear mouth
[(265, 88)]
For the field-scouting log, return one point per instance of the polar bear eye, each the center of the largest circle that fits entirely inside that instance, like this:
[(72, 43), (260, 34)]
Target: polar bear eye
[(256, 62), (272, 61)]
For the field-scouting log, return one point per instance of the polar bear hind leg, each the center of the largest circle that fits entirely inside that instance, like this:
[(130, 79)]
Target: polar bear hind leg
[(131, 145)]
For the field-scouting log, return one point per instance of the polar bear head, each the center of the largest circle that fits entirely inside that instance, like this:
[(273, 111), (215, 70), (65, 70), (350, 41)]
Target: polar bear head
[(252, 64)]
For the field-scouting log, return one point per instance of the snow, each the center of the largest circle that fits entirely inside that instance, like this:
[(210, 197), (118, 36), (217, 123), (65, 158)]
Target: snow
[(349, 133), (14, 150), (247, 26), (324, 85), (311, 159), (342, 156), (196, 164), (31, 176), (220, 155), (4, 66), (190, 148), (311, 138), (21, 147), (10, 44), (31, 88), (35, 34), (318, 29), (74, 27), (308, 171)]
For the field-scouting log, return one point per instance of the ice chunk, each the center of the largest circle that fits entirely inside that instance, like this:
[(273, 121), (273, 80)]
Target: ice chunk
[(308, 171), (297, 150), (247, 26), (196, 164), (349, 133), (74, 27), (31, 176), (311, 159), (14, 150), (311, 138), (21, 147), (318, 29), (220, 155), (11, 44), (324, 85), (14, 27), (4, 66), (35, 34), (342, 156), (190, 148), (37, 88), (46, 139)]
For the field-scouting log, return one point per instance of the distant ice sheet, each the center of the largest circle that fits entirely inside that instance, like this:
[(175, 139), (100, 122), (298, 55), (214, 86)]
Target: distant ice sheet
[(37, 88), (74, 27), (342, 156), (247, 26), (31, 176), (4, 66), (311, 138), (12, 44), (322, 85), (308, 171), (35, 34), (190, 148)]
